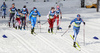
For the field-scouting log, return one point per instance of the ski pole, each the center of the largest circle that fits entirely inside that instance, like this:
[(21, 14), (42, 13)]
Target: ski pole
[(56, 26), (27, 24), (65, 32), (37, 23), (40, 25), (44, 22), (84, 34)]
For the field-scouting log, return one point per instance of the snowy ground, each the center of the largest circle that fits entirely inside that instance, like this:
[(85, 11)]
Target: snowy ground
[(21, 41)]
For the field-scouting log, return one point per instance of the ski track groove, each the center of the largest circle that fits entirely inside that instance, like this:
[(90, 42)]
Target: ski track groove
[(66, 42), (61, 51), (24, 42), (50, 44)]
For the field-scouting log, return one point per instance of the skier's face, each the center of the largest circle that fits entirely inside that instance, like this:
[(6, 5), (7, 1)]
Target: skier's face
[(78, 18), (13, 6), (35, 11), (53, 10)]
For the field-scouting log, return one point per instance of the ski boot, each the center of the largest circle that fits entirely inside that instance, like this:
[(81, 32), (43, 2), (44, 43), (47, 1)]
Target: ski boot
[(51, 30), (74, 45), (13, 25), (24, 28), (73, 36), (2, 16), (57, 27), (16, 27), (21, 28), (48, 30), (9, 24), (32, 30)]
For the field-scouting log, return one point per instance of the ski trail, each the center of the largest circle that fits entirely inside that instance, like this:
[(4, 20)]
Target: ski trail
[(50, 44), (24, 42), (68, 41)]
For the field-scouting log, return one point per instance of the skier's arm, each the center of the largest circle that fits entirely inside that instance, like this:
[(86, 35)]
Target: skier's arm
[(6, 6), (71, 23), (83, 21), (1, 6), (48, 15), (27, 12), (15, 9), (39, 14), (30, 16), (9, 9)]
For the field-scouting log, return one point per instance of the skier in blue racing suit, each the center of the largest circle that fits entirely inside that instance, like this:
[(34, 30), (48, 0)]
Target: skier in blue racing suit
[(33, 18), (76, 27), (3, 7)]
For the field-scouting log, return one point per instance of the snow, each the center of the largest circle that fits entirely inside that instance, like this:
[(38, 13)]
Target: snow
[(22, 41)]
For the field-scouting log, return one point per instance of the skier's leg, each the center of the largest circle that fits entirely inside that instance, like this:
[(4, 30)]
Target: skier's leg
[(52, 22), (2, 13), (33, 22), (16, 24), (77, 31), (58, 22), (10, 19), (24, 22), (75, 36), (49, 21), (13, 20), (21, 22)]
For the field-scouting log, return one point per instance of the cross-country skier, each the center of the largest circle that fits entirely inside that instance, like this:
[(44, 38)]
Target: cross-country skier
[(51, 19), (18, 22), (3, 7), (33, 18), (26, 11), (23, 18), (12, 13), (76, 27), (32, 10), (58, 12)]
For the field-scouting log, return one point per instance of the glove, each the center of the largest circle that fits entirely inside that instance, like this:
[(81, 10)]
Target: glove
[(69, 26), (61, 17), (49, 19), (29, 22), (84, 23), (39, 16), (38, 21)]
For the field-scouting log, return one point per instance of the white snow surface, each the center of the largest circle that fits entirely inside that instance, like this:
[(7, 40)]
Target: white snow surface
[(22, 41)]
